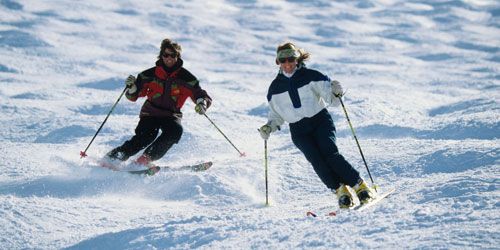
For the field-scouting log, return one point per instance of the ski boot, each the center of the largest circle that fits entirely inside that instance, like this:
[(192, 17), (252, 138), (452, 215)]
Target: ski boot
[(145, 161), (364, 192), (344, 197)]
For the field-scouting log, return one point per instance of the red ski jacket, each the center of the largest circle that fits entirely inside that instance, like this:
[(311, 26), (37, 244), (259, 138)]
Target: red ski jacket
[(167, 90)]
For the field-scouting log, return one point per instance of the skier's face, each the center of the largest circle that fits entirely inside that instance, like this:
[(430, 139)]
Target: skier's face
[(288, 65), (169, 57)]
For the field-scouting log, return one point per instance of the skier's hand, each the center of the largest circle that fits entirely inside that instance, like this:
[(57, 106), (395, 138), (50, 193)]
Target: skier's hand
[(337, 90), (130, 83), (202, 105), (266, 130)]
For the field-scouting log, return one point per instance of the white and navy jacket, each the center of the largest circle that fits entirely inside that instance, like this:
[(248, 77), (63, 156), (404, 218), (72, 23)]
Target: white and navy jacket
[(304, 94)]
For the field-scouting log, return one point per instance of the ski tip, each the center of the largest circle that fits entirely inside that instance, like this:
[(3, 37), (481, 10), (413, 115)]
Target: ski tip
[(332, 213), (309, 213), (153, 170), (312, 214)]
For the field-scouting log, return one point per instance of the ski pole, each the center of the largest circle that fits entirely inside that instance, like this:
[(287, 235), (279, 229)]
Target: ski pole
[(265, 172), (84, 153), (356, 139), (241, 154)]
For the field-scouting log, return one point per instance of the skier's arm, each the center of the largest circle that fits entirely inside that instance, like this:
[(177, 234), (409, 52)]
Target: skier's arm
[(202, 104), (273, 118), (198, 95), (141, 85), (330, 91), (274, 122)]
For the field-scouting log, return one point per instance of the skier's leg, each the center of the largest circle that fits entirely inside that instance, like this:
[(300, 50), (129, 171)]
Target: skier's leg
[(170, 135), (309, 148), (350, 176), (145, 133), (325, 138)]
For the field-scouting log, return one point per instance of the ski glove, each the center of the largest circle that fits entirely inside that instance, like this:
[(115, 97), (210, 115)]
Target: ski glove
[(266, 130), (337, 90), (130, 83), (202, 105)]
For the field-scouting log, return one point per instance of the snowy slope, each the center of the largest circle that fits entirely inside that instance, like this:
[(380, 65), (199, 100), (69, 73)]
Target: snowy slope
[(422, 81)]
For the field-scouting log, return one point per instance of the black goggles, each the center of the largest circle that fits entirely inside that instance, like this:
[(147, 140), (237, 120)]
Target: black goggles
[(287, 59), (166, 55)]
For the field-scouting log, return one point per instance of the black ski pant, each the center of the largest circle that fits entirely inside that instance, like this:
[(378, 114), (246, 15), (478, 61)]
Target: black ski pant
[(315, 137), (146, 136)]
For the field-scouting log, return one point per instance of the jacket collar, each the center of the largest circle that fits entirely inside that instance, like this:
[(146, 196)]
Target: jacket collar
[(163, 72), (299, 67)]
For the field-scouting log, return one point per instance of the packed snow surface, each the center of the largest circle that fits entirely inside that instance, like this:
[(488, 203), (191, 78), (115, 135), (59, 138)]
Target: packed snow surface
[(422, 81)]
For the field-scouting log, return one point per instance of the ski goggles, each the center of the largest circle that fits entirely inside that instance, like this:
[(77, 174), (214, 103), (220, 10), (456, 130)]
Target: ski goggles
[(167, 55), (288, 59)]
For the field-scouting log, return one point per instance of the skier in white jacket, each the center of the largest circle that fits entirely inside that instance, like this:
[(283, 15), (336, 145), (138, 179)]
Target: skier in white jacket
[(299, 96)]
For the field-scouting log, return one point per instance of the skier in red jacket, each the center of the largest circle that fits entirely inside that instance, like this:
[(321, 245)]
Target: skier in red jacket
[(166, 87)]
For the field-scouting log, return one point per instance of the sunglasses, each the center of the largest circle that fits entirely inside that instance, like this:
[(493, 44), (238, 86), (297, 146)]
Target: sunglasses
[(287, 59), (166, 55)]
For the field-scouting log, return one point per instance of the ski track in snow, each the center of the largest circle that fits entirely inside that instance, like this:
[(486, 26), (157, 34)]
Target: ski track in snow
[(422, 81)]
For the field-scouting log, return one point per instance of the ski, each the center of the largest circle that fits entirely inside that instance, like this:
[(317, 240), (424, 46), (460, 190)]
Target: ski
[(358, 207), (378, 198), (155, 169), (149, 171), (313, 214)]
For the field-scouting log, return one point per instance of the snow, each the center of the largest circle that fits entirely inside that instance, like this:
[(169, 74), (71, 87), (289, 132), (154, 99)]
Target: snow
[(422, 81)]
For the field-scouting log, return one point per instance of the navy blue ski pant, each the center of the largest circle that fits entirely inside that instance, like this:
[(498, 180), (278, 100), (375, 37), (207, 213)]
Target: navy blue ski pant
[(146, 134), (315, 137)]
